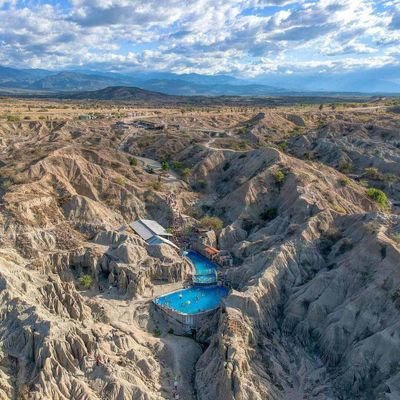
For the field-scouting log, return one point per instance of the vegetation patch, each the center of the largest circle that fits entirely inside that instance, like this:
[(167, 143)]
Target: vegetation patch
[(133, 161), (86, 281), (378, 196), (226, 166), (6, 183), (155, 185), (156, 332), (345, 167), (269, 214), (211, 223), (119, 180), (373, 173), (344, 181), (200, 185), (282, 146), (279, 177), (165, 166)]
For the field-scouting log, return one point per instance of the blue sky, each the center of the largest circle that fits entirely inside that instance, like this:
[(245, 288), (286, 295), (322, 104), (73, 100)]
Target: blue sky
[(246, 38)]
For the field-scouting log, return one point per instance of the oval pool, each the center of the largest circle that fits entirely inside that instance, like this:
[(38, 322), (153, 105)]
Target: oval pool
[(193, 300)]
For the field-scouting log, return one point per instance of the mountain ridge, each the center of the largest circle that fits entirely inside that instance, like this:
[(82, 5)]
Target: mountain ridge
[(381, 81)]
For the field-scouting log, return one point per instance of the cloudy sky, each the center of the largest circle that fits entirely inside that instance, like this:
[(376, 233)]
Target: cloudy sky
[(239, 37)]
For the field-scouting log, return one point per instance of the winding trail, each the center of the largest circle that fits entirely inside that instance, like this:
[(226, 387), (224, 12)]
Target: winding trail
[(212, 140)]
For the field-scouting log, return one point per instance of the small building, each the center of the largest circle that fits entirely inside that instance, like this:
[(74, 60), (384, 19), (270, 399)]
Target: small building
[(210, 252), (152, 232), (150, 125)]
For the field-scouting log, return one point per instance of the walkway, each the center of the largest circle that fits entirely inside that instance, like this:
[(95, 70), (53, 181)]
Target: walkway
[(183, 354), (170, 176)]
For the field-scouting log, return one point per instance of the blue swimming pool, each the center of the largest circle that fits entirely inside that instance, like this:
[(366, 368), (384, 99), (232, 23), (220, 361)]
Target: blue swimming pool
[(193, 300), (205, 269)]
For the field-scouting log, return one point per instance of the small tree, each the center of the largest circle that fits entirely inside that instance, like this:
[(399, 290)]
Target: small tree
[(133, 161), (165, 166), (279, 177), (321, 106), (86, 281)]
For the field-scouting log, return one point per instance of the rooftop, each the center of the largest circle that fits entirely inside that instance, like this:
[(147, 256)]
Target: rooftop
[(148, 228)]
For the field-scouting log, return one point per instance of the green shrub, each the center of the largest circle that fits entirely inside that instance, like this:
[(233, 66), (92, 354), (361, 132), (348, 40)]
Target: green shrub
[(282, 146), (165, 166), (119, 180), (211, 222), (86, 281), (345, 166), (170, 331), (344, 181), (372, 173), (201, 184), (279, 177), (177, 165), (378, 196), (269, 214), (6, 183), (133, 161), (156, 332), (186, 173), (390, 178), (155, 185), (239, 146)]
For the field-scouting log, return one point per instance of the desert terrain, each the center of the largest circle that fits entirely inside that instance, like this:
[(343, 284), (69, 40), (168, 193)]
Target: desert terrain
[(309, 199)]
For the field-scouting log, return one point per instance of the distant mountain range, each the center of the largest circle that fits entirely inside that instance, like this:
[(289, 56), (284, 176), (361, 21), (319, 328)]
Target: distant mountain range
[(381, 80), (168, 83)]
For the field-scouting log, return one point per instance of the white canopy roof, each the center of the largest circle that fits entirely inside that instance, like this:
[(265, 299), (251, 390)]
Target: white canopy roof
[(148, 228), (157, 240)]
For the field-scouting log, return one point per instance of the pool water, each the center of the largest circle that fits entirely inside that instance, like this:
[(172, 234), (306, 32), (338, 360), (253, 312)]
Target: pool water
[(206, 271), (193, 300)]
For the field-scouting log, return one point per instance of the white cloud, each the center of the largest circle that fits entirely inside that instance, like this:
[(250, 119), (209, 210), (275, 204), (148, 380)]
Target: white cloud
[(246, 37)]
